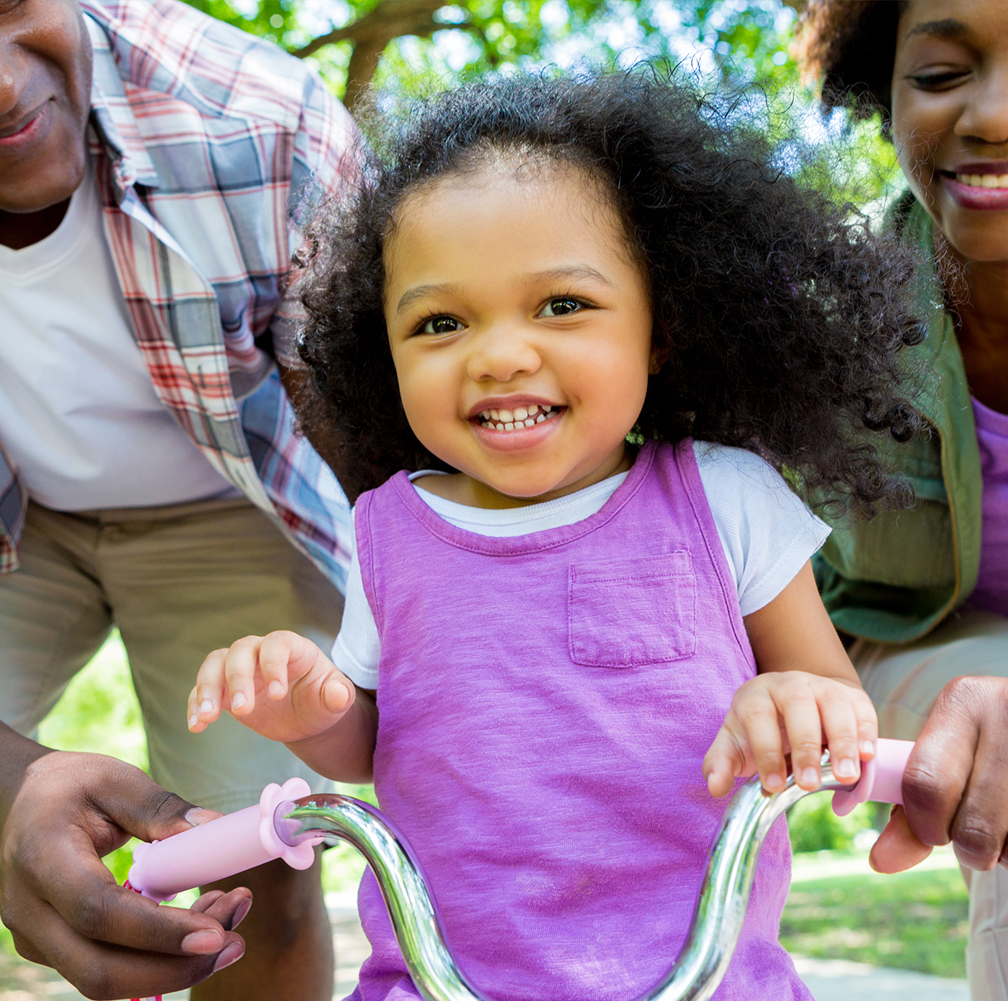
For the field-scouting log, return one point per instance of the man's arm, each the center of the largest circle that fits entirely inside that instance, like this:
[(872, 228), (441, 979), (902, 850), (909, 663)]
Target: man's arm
[(60, 812)]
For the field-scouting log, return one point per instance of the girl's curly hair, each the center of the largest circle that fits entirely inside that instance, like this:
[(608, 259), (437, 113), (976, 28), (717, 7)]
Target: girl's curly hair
[(850, 47), (779, 316)]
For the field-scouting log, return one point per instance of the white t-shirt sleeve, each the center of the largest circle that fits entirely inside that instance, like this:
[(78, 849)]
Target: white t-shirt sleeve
[(358, 646), (766, 531)]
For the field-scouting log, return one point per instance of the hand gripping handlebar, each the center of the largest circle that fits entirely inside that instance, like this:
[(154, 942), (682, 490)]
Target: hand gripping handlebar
[(288, 822)]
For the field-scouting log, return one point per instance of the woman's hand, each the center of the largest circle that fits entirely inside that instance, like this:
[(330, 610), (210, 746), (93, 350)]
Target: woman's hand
[(792, 712), (954, 787), (280, 685)]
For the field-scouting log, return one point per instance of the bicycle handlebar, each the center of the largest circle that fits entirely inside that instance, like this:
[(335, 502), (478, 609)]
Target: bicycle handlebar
[(287, 824)]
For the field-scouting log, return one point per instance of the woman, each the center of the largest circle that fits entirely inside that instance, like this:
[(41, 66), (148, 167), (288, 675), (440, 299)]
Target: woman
[(925, 592)]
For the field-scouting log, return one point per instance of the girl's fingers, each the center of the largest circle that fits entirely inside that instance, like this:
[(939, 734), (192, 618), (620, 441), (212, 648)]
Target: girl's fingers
[(724, 761), (240, 668), (205, 698), (850, 728), (757, 712), (278, 649), (800, 713)]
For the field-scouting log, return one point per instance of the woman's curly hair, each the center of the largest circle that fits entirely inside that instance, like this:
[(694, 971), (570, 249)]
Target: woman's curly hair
[(850, 47), (780, 317)]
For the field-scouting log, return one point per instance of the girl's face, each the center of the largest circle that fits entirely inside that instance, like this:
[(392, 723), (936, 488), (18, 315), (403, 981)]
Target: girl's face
[(520, 329), (950, 119)]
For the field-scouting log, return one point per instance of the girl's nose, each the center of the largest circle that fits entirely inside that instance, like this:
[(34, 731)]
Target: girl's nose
[(501, 353), (985, 116)]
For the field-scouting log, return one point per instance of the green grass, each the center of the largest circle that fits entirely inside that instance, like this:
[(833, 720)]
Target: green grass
[(914, 921), (911, 921)]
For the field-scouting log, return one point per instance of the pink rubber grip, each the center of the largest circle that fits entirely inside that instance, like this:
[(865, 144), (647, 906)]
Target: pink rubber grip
[(881, 778), (220, 848)]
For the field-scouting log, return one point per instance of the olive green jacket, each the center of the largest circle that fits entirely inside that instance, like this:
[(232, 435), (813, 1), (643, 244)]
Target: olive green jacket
[(894, 578)]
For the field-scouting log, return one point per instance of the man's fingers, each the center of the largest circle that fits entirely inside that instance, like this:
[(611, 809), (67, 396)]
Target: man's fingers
[(228, 908), (102, 970), (896, 848)]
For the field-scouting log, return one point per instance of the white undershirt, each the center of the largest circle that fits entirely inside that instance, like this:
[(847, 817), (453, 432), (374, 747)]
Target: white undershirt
[(766, 532), (78, 413)]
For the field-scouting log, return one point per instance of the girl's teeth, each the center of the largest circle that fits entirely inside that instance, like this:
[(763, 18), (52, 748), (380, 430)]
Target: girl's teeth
[(522, 417), (983, 180)]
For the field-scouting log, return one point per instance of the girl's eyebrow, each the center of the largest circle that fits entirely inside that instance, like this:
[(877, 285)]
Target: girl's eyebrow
[(582, 271), (947, 28), (573, 271), (422, 291)]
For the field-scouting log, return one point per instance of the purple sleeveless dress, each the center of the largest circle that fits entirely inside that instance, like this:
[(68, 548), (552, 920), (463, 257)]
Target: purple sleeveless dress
[(545, 702)]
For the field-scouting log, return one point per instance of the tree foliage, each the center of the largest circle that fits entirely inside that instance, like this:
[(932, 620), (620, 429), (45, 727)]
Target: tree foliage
[(416, 46)]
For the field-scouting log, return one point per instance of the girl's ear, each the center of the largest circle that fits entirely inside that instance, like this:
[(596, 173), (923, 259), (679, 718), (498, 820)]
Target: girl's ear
[(658, 358)]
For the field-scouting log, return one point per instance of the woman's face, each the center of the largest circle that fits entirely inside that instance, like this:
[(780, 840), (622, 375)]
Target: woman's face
[(950, 119)]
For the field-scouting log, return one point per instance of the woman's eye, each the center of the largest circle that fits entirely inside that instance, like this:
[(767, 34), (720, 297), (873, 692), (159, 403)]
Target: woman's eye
[(561, 307), (441, 325)]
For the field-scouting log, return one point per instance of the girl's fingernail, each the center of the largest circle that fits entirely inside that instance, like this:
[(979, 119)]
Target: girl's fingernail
[(276, 689), (206, 706), (230, 954), (239, 914), (846, 768), (867, 747), (199, 943), (809, 777), (196, 816), (238, 700), (193, 721), (773, 783)]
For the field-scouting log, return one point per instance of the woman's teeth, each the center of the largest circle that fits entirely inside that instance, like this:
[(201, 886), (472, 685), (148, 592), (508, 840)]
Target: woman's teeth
[(983, 180), (520, 417)]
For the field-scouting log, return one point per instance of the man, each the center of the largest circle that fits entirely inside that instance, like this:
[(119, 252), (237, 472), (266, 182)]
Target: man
[(154, 167)]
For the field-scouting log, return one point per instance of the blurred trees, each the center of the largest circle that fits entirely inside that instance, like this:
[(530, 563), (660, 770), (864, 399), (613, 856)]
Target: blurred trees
[(431, 42), (416, 46)]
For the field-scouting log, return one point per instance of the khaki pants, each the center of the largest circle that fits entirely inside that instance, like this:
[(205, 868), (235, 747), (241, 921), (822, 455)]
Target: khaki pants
[(903, 682), (178, 581)]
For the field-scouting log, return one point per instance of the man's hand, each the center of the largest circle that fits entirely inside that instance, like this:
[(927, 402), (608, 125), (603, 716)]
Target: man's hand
[(956, 783), (63, 906)]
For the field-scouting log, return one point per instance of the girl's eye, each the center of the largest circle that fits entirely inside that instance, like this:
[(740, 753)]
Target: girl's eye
[(561, 307), (936, 81), (441, 325)]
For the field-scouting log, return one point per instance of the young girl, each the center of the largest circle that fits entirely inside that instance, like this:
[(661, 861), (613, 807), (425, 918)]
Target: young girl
[(588, 317)]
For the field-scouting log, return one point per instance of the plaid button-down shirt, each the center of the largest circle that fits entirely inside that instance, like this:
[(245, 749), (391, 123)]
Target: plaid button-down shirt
[(211, 147)]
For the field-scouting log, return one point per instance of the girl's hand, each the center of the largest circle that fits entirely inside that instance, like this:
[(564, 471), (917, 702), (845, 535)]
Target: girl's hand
[(280, 685), (792, 712)]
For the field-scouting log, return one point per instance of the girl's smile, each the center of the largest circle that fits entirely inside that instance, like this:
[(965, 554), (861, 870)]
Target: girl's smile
[(520, 330)]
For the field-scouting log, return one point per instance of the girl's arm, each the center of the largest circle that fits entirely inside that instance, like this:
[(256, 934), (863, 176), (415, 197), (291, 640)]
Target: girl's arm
[(806, 694), (283, 687)]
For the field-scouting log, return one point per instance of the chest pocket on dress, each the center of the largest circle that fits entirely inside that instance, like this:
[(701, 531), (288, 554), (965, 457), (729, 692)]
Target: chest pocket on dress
[(626, 613)]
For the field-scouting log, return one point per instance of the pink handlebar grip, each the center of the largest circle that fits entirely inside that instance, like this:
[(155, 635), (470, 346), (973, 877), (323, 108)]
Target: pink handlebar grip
[(220, 848), (881, 778)]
